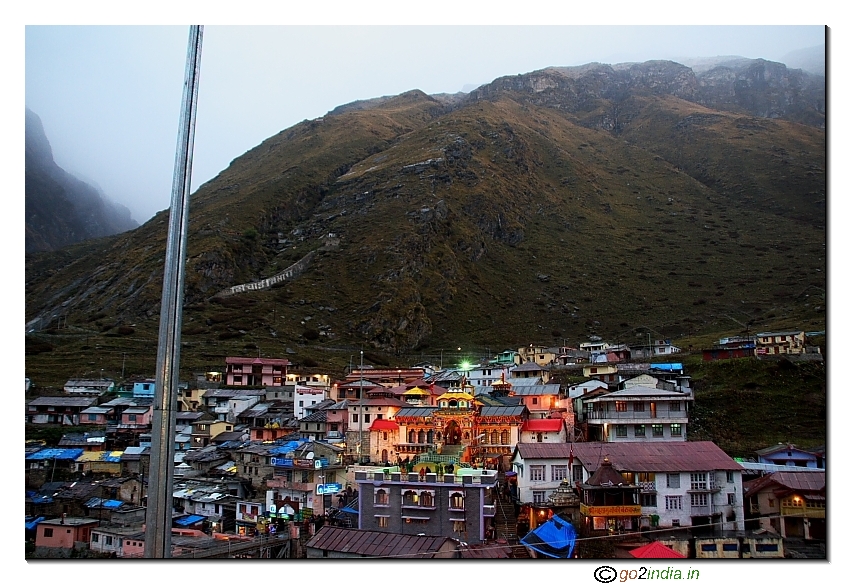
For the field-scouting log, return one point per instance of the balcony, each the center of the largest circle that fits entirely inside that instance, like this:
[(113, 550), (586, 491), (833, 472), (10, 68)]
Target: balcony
[(489, 510), (667, 416), (413, 447), (647, 487)]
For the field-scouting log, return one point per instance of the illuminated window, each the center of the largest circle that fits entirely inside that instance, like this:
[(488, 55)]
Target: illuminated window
[(382, 521), (621, 406), (382, 498), (657, 430), (456, 500), (426, 499), (458, 526), (676, 429)]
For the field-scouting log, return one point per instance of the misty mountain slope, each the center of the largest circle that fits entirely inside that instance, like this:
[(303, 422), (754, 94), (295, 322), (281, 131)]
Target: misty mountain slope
[(61, 209), (511, 215)]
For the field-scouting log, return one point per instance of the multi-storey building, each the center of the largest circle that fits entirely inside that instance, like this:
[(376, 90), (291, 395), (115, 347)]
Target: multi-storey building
[(458, 506), (638, 413), (265, 372), (687, 483)]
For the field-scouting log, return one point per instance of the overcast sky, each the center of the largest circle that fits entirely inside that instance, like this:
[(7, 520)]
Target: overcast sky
[(109, 96)]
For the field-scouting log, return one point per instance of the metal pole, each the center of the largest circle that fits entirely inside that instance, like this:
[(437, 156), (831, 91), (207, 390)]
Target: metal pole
[(158, 519), (360, 415)]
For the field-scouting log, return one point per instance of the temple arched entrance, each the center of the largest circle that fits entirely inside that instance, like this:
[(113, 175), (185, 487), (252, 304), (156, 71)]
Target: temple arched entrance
[(452, 433)]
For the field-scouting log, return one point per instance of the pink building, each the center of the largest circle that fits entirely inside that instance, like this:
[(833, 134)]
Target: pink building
[(265, 372), (63, 533)]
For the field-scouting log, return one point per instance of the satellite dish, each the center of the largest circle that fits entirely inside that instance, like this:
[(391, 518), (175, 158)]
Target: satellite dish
[(310, 455)]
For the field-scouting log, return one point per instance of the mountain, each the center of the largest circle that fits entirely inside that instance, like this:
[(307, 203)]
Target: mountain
[(60, 208), (544, 207)]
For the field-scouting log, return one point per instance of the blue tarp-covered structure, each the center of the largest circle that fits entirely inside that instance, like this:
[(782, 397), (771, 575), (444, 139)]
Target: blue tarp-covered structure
[(189, 520), (554, 538)]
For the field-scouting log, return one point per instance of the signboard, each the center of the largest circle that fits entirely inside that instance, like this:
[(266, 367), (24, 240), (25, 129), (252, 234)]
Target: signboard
[(282, 462), (331, 488), (623, 510)]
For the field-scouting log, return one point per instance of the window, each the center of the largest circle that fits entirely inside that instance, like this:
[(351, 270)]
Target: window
[(458, 526), (657, 430), (367, 418), (620, 406), (699, 481), (382, 498), (709, 548), (426, 499), (622, 431), (382, 521), (305, 477), (131, 416), (640, 430), (648, 500), (92, 417), (95, 537), (766, 548), (560, 472), (538, 497), (456, 500), (108, 540), (699, 500), (730, 476), (410, 498), (676, 429), (730, 498), (675, 406), (48, 533), (730, 546), (534, 400), (638, 407), (537, 473), (354, 417), (676, 523), (673, 481), (673, 502)]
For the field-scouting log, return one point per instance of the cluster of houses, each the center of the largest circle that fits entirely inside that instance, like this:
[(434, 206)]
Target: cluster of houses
[(474, 461)]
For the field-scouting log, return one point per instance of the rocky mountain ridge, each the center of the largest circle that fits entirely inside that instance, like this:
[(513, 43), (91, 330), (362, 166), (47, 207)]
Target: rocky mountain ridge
[(61, 209), (557, 204)]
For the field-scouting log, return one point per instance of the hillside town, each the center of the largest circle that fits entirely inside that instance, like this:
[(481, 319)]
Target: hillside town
[(484, 459)]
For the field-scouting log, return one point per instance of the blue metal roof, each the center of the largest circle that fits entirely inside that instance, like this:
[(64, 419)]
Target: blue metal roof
[(671, 366), (50, 453)]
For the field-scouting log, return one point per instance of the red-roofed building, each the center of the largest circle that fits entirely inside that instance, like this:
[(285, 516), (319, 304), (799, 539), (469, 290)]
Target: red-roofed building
[(543, 431), (792, 504), (383, 435)]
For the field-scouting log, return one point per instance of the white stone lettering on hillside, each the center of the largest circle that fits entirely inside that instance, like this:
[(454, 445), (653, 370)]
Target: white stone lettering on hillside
[(290, 272)]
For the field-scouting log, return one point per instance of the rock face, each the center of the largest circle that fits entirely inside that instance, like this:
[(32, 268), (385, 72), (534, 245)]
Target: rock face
[(61, 209), (753, 86)]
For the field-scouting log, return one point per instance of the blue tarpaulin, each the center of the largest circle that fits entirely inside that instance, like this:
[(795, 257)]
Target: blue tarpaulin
[(50, 453), (104, 503), (189, 520), (554, 538), (32, 522)]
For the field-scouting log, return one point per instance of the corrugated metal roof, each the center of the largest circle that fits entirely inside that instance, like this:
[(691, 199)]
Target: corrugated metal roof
[(376, 544), (64, 401), (672, 456), (655, 550), (383, 424), (794, 481), (502, 411), (524, 391), (415, 412)]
